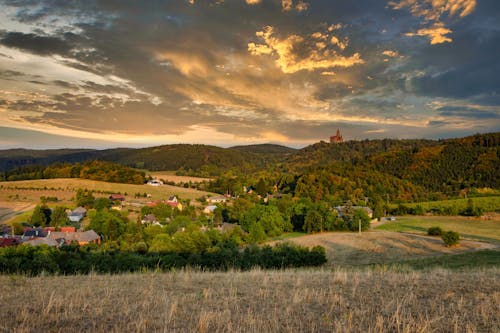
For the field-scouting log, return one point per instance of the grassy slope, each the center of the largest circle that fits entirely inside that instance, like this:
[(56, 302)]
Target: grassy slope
[(483, 230), (73, 184), (255, 301), (488, 204), (347, 249)]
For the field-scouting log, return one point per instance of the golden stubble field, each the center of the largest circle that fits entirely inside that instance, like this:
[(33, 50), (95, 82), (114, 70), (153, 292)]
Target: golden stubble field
[(381, 247), (321, 300)]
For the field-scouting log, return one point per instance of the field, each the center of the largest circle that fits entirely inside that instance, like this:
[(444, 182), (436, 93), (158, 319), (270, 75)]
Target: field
[(19, 196), (382, 247), (487, 204), (172, 177), (320, 300), (469, 228)]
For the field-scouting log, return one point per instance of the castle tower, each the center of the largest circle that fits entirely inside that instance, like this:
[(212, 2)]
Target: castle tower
[(337, 138)]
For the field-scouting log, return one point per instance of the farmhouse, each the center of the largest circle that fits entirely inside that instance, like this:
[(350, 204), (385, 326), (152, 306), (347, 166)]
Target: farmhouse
[(155, 182), (82, 238), (77, 214), (217, 199), (209, 209), (116, 197)]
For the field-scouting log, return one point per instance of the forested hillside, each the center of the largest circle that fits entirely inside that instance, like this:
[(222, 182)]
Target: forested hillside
[(185, 158), (403, 170)]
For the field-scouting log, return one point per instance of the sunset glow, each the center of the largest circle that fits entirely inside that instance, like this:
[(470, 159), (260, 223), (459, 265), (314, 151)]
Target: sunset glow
[(144, 73)]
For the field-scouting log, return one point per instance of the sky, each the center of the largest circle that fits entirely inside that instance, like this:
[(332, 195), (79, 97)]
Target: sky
[(100, 74)]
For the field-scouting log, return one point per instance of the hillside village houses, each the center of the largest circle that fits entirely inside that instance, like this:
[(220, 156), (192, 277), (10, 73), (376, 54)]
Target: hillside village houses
[(217, 199), (77, 214), (155, 182)]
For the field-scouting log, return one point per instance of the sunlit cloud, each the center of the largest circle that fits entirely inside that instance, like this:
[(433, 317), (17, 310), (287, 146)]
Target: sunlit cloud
[(295, 53), (434, 12), (437, 34), (197, 71)]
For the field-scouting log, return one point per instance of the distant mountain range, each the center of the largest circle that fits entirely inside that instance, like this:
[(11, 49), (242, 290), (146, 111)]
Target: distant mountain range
[(433, 164), (167, 157)]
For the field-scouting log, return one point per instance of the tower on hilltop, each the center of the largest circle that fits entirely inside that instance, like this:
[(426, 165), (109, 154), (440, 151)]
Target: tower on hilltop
[(337, 138)]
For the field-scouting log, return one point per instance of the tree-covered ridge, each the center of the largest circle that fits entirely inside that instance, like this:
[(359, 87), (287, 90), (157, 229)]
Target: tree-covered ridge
[(93, 170)]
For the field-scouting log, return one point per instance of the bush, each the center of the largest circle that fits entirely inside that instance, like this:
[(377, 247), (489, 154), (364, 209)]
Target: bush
[(450, 238), (434, 231)]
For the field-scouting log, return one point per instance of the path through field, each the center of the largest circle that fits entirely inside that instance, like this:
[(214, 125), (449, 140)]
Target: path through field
[(8, 210)]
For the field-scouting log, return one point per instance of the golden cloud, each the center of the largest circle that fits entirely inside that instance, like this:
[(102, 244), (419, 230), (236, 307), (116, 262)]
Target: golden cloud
[(295, 53), (299, 6), (391, 53), (433, 11), (437, 34)]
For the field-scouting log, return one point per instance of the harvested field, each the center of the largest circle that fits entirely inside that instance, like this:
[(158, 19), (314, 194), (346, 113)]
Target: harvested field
[(172, 177), (63, 186), (379, 247), (9, 210), (255, 301)]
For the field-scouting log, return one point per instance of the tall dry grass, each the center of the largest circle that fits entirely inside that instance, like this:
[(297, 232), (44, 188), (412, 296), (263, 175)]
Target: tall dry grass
[(254, 301)]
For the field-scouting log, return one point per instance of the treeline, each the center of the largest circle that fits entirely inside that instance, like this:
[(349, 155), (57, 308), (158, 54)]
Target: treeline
[(377, 171), (83, 260), (93, 170)]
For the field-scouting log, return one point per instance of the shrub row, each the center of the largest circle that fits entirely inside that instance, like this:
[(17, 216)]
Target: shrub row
[(450, 238), (82, 260)]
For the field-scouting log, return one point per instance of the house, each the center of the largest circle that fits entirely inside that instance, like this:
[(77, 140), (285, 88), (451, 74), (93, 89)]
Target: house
[(341, 209), (42, 241), (32, 233), (155, 182), (77, 214), (9, 241), (217, 199), (209, 209), (82, 238), (149, 219), (116, 197), (172, 204), (67, 229), (177, 205)]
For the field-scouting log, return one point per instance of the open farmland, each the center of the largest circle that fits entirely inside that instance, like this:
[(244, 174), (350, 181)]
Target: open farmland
[(467, 227), (487, 204), (170, 176), (72, 184), (319, 300), (382, 247), (17, 197)]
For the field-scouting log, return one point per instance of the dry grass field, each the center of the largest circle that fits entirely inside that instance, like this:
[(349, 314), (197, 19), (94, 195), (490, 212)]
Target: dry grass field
[(381, 247), (172, 177), (72, 184), (484, 229), (256, 301)]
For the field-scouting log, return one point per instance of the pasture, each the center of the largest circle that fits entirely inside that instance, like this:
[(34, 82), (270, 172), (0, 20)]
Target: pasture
[(487, 204), (348, 249), (467, 227), (319, 300), (170, 176)]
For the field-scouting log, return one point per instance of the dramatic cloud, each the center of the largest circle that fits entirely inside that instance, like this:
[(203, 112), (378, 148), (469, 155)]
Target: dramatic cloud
[(245, 71), (433, 12), (295, 53)]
